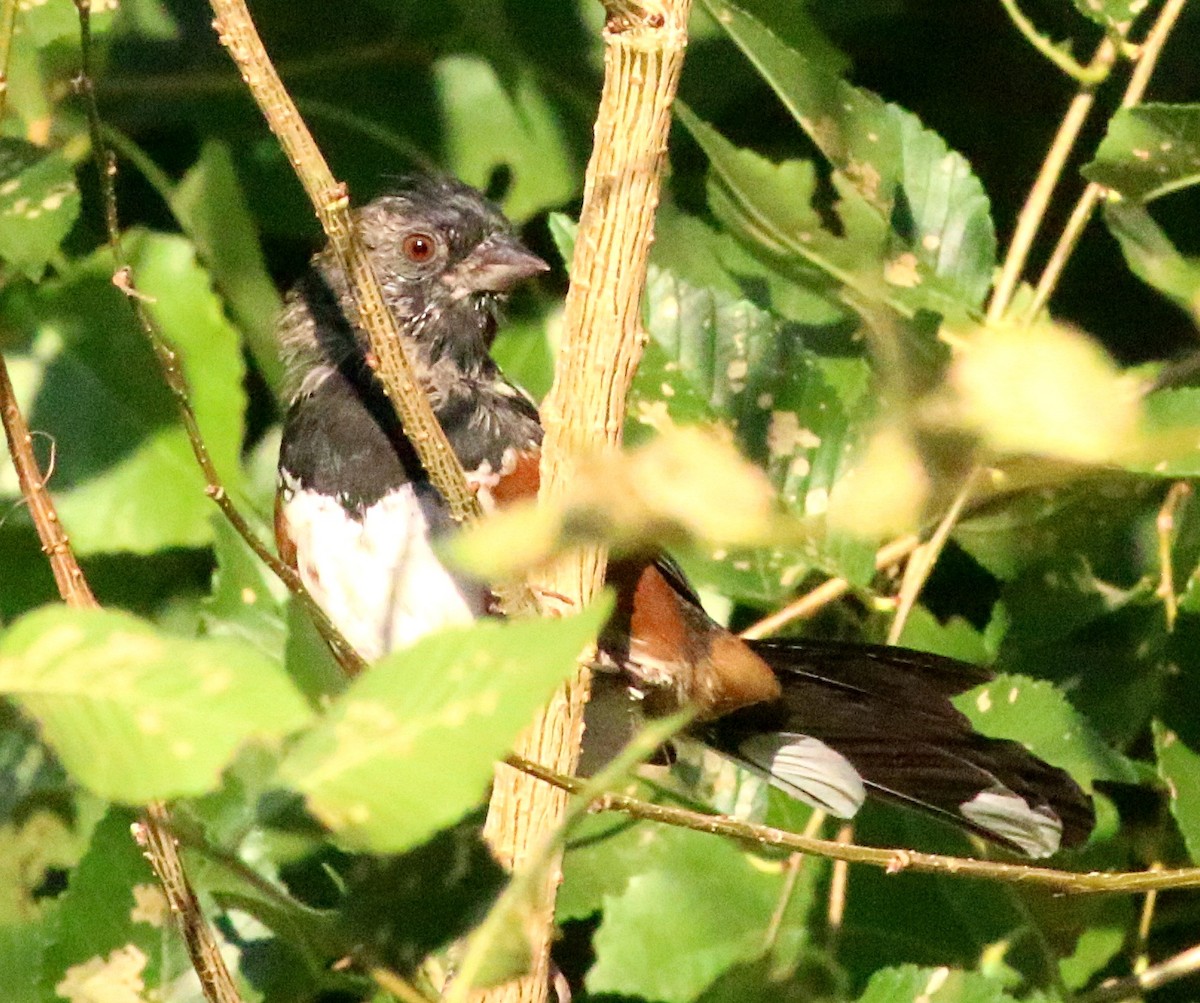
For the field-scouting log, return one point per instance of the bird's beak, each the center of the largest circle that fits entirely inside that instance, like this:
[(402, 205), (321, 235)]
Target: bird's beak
[(497, 265)]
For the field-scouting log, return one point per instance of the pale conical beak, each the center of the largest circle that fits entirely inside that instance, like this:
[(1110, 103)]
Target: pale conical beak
[(497, 265)]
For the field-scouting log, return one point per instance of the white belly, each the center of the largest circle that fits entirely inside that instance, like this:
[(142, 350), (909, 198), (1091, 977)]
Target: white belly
[(377, 577)]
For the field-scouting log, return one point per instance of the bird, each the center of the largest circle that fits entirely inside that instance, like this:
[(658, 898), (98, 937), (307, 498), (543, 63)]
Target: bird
[(829, 723)]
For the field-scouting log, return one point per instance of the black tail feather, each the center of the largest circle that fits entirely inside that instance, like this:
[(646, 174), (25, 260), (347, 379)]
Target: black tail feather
[(857, 719)]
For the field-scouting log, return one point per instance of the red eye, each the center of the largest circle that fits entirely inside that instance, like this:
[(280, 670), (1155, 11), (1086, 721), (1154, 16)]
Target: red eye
[(418, 247)]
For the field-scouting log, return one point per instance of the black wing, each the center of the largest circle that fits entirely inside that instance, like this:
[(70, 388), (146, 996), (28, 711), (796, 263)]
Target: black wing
[(858, 719)]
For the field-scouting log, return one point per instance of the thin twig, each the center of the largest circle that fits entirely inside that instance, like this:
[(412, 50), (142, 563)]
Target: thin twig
[(1176, 967), (893, 861), (791, 877), (920, 566), (1147, 60), (1034, 210), (1165, 530), (829, 591), (1088, 75), (331, 200), (73, 587), (8, 21), (168, 360)]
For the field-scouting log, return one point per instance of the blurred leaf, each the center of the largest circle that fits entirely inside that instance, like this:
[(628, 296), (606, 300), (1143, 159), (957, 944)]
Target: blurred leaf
[(955, 639), (1110, 13), (1036, 714), (248, 600), (935, 203), (686, 484), (124, 472), (1148, 151), (1152, 257), (134, 714), (909, 984), (445, 708), (884, 491), (214, 212), (1172, 424), (21, 947), (1179, 767), (38, 202), (668, 934), (113, 901), (491, 127), (1044, 391), (1096, 947), (41, 842)]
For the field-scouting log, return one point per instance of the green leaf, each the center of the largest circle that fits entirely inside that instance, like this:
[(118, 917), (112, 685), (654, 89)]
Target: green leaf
[(1149, 151), (906, 172), (717, 357), (1152, 257), (124, 471), (1036, 714), (1179, 767), (671, 931), (213, 211), (489, 126), (446, 708), (1171, 423), (113, 903), (38, 204), (248, 601), (134, 714), (909, 984), (1110, 13)]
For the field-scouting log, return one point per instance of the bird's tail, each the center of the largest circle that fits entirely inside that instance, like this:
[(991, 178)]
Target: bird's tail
[(858, 720)]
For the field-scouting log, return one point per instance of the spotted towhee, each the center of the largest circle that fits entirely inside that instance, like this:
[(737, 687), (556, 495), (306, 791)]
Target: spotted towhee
[(828, 723)]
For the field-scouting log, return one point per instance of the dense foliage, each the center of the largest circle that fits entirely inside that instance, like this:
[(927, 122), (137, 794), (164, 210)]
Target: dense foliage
[(823, 264)]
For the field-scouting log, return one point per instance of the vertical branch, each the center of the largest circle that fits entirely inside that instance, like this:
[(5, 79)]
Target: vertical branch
[(331, 201), (153, 832), (584, 412)]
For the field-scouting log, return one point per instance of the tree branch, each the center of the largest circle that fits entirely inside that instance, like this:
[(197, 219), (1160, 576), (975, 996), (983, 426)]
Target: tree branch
[(1139, 80), (585, 410), (154, 834), (892, 860), (331, 200)]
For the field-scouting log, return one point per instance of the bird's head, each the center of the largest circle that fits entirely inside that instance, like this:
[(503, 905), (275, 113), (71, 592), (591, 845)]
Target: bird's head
[(445, 258)]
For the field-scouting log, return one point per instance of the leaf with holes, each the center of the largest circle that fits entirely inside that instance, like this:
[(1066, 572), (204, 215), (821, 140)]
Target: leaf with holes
[(936, 206), (445, 709), (1036, 714), (38, 204), (135, 714), (1149, 151)]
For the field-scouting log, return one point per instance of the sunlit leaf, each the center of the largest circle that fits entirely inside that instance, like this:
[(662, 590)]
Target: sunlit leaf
[(938, 207), (685, 485), (1045, 390), (213, 210), (447, 708), (1036, 714), (124, 473), (135, 714), (1149, 150)]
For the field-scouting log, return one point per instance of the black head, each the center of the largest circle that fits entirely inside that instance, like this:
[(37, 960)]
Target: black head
[(445, 258)]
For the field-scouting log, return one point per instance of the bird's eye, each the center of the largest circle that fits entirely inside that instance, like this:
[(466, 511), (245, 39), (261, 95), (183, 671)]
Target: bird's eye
[(419, 247)]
